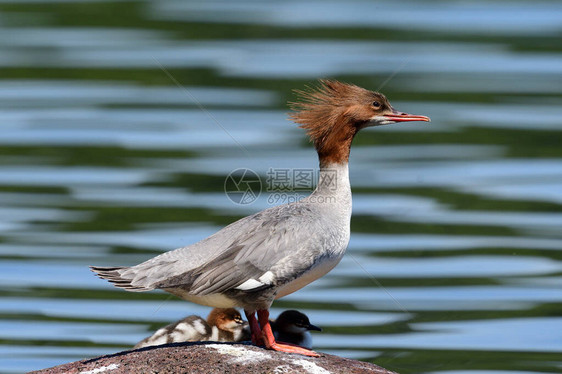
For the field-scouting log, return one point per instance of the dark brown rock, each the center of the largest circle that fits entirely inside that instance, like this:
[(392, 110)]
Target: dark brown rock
[(213, 358)]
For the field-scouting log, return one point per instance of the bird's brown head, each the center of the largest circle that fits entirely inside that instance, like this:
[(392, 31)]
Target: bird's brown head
[(228, 319), (334, 112)]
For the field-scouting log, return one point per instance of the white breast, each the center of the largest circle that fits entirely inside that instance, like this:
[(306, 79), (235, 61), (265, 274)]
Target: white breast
[(334, 208), (308, 277)]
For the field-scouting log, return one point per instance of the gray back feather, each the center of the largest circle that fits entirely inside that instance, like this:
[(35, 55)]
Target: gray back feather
[(245, 249)]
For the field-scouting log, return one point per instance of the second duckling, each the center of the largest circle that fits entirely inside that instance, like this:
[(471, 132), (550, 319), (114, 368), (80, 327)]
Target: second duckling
[(293, 327)]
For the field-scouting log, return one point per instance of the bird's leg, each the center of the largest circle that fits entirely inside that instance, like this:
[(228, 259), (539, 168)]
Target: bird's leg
[(269, 339), (254, 328)]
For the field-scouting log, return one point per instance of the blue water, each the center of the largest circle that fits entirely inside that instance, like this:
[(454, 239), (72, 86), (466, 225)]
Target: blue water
[(121, 121)]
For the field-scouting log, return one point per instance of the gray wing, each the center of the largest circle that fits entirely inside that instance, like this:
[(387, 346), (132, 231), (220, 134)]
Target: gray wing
[(252, 253), (276, 244)]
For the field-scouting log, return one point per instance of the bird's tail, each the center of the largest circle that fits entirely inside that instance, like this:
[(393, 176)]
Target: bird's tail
[(119, 276)]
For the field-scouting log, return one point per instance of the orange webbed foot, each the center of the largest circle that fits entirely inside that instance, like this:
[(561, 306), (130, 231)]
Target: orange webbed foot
[(290, 348), (269, 339)]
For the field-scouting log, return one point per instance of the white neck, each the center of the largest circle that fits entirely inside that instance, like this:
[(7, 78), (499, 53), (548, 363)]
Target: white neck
[(334, 180), (334, 190)]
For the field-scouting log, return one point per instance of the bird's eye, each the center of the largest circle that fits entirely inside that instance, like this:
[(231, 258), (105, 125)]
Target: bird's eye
[(376, 104)]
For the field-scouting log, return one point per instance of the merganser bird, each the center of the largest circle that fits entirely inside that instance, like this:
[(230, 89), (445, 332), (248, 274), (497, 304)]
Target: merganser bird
[(294, 327), (222, 325), (275, 252)]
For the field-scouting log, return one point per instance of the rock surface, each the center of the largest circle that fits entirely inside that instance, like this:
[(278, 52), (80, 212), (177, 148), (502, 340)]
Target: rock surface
[(213, 358)]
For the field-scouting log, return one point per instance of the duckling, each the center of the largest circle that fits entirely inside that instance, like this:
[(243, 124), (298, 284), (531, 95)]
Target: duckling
[(293, 327), (222, 325), (227, 325)]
